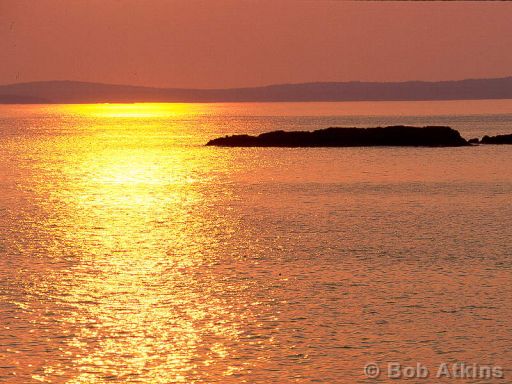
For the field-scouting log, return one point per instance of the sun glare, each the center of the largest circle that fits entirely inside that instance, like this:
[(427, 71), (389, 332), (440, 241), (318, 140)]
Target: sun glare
[(135, 110)]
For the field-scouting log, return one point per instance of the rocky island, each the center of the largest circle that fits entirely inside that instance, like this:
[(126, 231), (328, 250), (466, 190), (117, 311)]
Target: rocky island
[(499, 139), (407, 136)]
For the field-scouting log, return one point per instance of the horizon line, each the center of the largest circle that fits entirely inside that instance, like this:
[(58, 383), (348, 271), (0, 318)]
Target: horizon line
[(258, 86)]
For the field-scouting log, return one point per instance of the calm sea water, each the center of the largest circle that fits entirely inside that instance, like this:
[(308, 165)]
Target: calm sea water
[(129, 252)]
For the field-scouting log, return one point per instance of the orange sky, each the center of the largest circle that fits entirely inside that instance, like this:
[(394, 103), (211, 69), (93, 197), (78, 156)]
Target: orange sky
[(222, 43)]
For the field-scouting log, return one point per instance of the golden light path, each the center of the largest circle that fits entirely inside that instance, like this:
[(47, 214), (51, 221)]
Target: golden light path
[(134, 110), (131, 213)]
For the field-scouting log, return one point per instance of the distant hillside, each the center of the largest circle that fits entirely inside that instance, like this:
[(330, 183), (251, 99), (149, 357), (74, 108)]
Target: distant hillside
[(82, 92)]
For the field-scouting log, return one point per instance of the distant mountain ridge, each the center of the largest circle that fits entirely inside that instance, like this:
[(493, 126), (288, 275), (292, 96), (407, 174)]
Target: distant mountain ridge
[(70, 92)]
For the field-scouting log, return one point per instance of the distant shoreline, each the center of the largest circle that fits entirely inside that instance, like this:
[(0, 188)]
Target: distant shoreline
[(43, 102), (76, 92)]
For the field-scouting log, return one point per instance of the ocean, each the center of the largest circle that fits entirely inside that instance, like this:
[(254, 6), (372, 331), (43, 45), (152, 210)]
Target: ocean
[(130, 252)]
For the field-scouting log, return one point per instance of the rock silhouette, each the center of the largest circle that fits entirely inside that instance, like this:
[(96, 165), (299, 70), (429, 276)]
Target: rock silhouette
[(499, 139), (431, 136)]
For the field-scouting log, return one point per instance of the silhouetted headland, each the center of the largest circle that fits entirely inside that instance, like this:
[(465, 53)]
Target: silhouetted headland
[(432, 136), (499, 139)]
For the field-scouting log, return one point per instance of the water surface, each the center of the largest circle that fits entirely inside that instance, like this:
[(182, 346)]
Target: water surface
[(129, 252)]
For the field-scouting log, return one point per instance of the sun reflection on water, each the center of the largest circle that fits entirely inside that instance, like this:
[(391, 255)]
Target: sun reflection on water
[(146, 309), (136, 299), (134, 110)]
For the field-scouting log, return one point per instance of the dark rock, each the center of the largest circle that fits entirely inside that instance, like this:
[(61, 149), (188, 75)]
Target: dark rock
[(474, 141), (499, 139), (349, 137)]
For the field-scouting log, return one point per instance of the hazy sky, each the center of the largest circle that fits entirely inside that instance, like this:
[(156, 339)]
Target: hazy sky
[(221, 43)]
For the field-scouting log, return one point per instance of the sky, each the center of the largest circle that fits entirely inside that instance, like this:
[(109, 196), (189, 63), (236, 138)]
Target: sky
[(235, 43)]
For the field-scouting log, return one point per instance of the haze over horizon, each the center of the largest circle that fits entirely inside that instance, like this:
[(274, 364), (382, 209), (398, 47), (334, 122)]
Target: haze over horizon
[(229, 44)]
